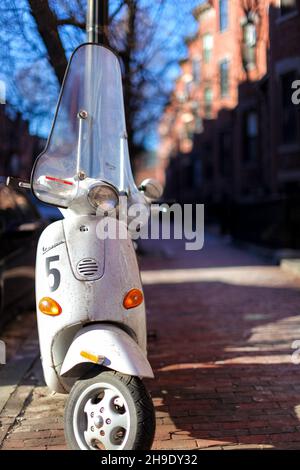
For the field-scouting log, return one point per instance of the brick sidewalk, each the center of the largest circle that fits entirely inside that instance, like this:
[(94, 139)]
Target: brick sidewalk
[(222, 323)]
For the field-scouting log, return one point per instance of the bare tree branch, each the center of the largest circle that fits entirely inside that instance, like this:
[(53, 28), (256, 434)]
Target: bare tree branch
[(47, 26)]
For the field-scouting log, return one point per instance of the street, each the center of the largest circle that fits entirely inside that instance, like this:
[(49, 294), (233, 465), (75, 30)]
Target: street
[(221, 325)]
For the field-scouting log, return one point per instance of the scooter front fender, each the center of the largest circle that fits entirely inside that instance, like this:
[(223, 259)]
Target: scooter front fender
[(117, 350)]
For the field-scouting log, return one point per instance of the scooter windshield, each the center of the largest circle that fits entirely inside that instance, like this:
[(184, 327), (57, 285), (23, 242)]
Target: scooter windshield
[(88, 137)]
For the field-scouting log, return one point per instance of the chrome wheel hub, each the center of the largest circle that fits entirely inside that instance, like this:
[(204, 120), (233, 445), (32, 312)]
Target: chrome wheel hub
[(101, 418)]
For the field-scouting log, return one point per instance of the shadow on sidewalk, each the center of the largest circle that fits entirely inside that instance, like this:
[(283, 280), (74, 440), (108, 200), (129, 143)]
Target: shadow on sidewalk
[(222, 361)]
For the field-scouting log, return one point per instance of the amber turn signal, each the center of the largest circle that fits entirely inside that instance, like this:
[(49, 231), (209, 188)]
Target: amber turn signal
[(50, 307), (133, 298)]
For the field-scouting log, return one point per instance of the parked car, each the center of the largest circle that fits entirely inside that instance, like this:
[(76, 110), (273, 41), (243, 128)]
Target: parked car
[(20, 227)]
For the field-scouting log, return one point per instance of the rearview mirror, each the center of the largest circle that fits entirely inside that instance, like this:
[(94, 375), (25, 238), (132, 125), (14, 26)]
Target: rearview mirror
[(151, 188)]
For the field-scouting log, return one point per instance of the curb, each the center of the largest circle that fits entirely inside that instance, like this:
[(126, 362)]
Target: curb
[(277, 256), (291, 266)]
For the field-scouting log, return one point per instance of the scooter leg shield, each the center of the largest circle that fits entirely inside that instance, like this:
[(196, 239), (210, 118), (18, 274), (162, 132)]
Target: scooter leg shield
[(109, 346)]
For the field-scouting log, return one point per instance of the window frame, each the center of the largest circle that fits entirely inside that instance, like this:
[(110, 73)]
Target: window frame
[(207, 52), (208, 104), (196, 70), (248, 139), (225, 4), (225, 61)]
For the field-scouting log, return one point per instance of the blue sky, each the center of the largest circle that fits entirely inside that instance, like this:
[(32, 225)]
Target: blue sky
[(24, 67)]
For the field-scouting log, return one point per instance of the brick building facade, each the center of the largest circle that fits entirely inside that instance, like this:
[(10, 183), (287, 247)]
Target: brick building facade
[(283, 119), (230, 135)]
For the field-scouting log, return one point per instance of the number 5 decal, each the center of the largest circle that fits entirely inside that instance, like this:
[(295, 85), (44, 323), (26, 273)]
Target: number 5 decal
[(54, 271)]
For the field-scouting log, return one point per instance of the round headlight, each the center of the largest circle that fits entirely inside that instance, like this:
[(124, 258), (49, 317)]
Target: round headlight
[(103, 197)]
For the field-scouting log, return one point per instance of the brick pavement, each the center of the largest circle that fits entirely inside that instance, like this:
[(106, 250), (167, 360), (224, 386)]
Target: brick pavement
[(221, 326)]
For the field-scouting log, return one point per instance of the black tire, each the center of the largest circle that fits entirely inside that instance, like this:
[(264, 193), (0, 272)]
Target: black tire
[(140, 407)]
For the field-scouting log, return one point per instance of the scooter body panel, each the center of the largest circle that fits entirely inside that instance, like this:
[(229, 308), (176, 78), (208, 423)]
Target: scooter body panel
[(114, 347), (61, 247), (83, 276)]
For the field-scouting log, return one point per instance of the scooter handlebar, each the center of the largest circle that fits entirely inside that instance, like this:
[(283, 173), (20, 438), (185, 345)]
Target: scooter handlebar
[(17, 183)]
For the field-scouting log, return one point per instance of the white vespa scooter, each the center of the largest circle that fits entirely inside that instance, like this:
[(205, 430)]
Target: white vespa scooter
[(90, 304)]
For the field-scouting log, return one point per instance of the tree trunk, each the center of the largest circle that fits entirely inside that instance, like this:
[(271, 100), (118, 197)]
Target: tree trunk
[(46, 22)]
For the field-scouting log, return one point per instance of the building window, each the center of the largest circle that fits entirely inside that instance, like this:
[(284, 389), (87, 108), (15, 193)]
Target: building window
[(289, 111), (250, 136), (197, 173), (225, 148), (196, 64), (223, 11), (208, 43), (2, 92), (208, 97), (198, 122), (188, 88), (189, 130), (224, 77), (287, 6)]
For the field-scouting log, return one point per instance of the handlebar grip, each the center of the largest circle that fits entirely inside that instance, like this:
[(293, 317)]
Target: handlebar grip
[(24, 184)]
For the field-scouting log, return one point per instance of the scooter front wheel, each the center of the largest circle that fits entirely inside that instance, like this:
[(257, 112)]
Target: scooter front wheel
[(109, 412)]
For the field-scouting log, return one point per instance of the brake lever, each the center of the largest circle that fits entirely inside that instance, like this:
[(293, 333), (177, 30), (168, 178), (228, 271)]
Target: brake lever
[(17, 182)]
